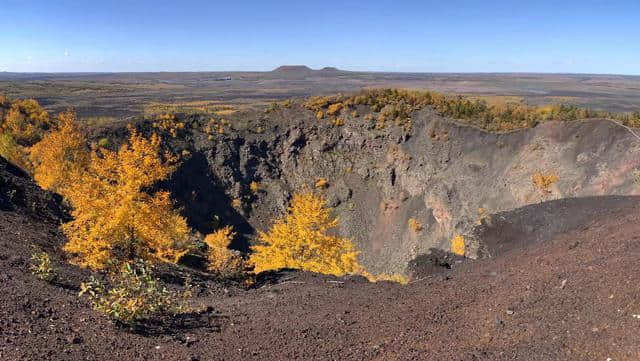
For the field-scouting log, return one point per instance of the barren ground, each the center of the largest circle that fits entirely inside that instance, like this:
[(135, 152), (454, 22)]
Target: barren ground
[(572, 297)]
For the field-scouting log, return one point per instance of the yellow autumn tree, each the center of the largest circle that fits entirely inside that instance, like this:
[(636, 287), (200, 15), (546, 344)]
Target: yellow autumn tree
[(457, 245), (26, 121), (299, 240), (22, 124), (115, 218), (222, 260), (60, 154)]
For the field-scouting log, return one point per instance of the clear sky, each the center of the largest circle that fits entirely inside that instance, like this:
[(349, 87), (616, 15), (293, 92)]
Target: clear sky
[(586, 36)]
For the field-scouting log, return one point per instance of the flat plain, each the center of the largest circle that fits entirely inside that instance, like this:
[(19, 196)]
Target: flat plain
[(129, 94)]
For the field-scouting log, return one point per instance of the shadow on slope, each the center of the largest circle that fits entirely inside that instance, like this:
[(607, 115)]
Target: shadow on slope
[(18, 193), (535, 223), (201, 196)]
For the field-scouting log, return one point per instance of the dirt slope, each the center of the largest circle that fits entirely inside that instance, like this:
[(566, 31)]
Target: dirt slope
[(572, 297)]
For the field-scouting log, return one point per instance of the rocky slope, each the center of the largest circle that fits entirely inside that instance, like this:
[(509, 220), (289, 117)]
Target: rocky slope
[(447, 176), (19, 194), (572, 297)]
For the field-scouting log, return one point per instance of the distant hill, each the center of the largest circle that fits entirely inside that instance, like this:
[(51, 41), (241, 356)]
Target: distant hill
[(293, 71)]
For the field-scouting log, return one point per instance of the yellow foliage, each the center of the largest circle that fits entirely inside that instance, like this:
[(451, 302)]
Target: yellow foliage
[(380, 121), (104, 142), (299, 240), (22, 124), (415, 225), (504, 115), (220, 238), (321, 183), (339, 121), (254, 187), (26, 121), (168, 123), (114, 218), (396, 277), (457, 245), (482, 214), (544, 181), (320, 114), (42, 266), (12, 151), (59, 155), (334, 108), (222, 260)]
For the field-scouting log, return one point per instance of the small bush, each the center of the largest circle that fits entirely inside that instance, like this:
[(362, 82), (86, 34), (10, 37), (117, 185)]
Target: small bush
[(334, 108), (544, 181), (636, 176), (136, 294), (482, 215), (414, 225), (41, 266), (222, 260), (457, 245), (254, 187), (321, 183), (338, 122), (104, 143)]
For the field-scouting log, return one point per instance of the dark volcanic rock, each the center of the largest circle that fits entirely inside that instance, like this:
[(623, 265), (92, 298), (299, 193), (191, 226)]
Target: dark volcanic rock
[(18, 193), (447, 176)]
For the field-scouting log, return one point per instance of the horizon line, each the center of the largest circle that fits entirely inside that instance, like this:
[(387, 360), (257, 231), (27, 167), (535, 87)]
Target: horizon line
[(275, 70)]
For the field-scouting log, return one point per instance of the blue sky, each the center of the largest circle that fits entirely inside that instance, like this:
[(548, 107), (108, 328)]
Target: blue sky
[(586, 36)]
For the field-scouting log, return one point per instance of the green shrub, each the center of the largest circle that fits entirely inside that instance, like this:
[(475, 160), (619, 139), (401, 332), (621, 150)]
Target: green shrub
[(136, 294), (42, 267)]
